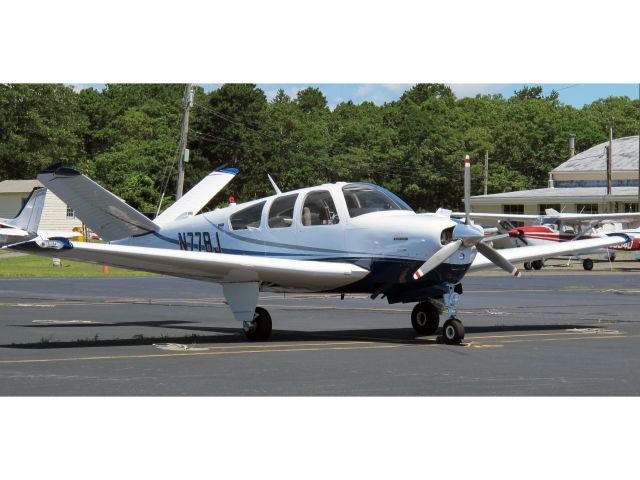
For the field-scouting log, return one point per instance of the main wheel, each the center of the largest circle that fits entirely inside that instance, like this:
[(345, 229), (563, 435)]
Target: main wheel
[(612, 257), (587, 264), (425, 318), (527, 266), (453, 331), (537, 264), (260, 328)]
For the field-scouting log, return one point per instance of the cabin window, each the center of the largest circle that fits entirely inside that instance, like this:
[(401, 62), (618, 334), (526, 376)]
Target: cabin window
[(319, 209), (248, 217), (363, 199), (588, 208), (70, 212), (281, 211)]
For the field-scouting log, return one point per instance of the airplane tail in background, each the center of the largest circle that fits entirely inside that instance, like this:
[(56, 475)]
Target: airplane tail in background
[(29, 217), (196, 198), (105, 213)]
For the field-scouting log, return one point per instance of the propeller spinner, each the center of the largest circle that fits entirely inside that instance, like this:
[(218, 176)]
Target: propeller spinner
[(466, 235)]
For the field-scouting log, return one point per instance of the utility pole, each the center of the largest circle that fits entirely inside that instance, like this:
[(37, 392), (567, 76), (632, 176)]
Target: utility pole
[(486, 170), (610, 164), (187, 103)]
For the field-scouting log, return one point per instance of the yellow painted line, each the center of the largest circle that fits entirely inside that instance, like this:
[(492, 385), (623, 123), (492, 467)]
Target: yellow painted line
[(487, 345), (599, 337), (274, 345), (193, 354), (532, 335)]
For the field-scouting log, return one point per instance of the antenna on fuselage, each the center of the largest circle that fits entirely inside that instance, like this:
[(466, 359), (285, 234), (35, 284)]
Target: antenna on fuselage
[(275, 187)]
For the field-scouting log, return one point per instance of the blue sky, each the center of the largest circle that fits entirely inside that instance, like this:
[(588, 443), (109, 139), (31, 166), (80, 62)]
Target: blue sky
[(571, 93), (576, 94)]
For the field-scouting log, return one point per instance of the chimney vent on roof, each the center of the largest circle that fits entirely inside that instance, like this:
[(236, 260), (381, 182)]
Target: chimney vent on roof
[(572, 145)]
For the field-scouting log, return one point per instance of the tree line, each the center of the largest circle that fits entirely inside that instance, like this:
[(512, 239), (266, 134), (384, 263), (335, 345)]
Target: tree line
[(126, 138)]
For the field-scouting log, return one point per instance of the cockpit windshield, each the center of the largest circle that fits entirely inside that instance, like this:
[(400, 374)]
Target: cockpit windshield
[(366, 198)]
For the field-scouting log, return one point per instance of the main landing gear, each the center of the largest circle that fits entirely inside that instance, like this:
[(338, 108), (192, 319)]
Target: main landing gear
[(259, 329), (535, 265), (425, 318)]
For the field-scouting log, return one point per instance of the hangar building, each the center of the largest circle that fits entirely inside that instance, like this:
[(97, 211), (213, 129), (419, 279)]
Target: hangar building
[(577, 185), (56, 215)]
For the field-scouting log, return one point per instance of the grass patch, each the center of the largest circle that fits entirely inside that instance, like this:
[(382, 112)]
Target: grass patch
[(35, 266)]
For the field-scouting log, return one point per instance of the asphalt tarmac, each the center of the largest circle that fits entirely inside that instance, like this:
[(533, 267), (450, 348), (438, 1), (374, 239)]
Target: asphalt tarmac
[(546, 333)]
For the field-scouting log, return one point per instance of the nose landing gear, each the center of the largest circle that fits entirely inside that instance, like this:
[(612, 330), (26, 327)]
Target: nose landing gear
[(425, 318)]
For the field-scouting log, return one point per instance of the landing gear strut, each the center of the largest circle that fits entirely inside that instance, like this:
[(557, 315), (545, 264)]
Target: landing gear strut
[(452, 330), (260, 328)]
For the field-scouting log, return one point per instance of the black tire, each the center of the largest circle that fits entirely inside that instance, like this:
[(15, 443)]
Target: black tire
[(260, 327), (612, 257), (527, 266), (452, 331), (587, 264), (537, 264), (425, 318)]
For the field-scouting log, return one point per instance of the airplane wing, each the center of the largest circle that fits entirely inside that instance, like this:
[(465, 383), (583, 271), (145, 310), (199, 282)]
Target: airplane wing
[(106, 214), (196, 198), (208, 266), (495, 216), (564, 217), (13, 232), (535, 252), (598, 217)]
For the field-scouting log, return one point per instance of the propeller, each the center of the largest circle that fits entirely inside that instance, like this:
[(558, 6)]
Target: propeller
[(466, 235)]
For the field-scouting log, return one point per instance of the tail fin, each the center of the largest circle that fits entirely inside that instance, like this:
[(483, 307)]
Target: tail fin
[(29, 217), (196, 198), (106, 214)]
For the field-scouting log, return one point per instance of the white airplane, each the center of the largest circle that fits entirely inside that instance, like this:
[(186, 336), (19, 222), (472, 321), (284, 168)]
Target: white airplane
[(25, 225), (338, 238), (563, 227)]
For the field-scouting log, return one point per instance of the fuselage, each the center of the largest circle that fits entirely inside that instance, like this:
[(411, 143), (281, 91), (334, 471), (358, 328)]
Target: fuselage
[(357, 223)]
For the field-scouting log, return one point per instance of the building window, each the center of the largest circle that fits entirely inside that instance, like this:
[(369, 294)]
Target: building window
[(70, 212), (543, 207), (513, 209), (587, 208), (630, 207)]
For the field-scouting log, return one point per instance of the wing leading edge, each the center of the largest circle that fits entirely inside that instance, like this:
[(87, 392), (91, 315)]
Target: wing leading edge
[(535, 252), (214, 267)]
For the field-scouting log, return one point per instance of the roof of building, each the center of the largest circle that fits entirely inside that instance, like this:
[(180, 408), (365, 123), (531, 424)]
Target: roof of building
[(625, 157), (549, 195), (18, 186)]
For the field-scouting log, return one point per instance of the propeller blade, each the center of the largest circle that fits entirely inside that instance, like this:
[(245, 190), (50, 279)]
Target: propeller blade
[(437, 258), (498, 259)]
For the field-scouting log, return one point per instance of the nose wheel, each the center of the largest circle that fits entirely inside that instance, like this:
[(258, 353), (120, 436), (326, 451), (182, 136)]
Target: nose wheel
[(453, 331)]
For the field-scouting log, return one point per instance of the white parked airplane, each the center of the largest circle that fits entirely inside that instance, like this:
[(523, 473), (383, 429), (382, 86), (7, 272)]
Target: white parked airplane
[(563, 227), (25, 225), (339, 238)]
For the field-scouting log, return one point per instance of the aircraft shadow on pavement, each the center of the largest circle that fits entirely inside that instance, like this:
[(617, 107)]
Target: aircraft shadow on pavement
[(228, 335)]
